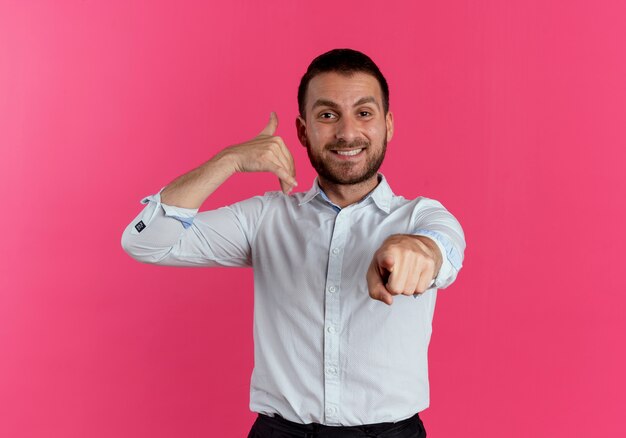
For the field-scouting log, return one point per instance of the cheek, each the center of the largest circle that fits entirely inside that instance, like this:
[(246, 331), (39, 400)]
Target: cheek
[(318, 135), (373, 134)]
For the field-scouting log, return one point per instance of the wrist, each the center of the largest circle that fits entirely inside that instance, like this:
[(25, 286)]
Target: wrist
[(226, 161)]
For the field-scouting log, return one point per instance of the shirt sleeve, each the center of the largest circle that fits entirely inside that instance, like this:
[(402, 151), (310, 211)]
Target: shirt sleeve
[(174, 236), (432, 220)]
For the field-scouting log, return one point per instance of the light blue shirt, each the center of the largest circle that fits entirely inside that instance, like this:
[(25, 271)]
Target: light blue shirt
[(324, 351)]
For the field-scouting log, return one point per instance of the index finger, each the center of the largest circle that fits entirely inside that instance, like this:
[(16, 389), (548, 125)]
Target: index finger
[(376, 288)]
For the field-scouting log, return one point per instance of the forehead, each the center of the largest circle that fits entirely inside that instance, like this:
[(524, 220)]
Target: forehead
[(343, 89)]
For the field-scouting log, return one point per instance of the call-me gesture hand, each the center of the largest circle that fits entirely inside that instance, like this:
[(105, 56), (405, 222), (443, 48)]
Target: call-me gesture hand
[(404, 264), (265, 153)]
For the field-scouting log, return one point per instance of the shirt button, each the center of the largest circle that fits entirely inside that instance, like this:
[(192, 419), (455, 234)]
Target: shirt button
[(332, 370), (332, 289), (335, 250), (331, 329), (331, 410)]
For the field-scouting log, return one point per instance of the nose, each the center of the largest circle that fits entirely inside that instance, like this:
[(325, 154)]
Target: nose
[(347, 129)]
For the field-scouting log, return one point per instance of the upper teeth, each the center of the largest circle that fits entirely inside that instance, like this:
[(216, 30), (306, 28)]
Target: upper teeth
[(354, 152)]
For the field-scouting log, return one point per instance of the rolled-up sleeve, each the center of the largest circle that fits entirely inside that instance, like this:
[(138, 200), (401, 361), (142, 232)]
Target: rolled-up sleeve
[(432, 220), (174, 236)]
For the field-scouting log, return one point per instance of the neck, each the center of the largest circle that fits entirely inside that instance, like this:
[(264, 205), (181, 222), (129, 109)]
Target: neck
[(343, 195)]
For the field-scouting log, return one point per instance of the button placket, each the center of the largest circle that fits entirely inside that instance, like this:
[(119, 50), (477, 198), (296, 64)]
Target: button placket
[(332, 318)]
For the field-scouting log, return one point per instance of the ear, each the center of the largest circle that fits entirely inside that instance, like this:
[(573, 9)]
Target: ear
[(389, 122), (301, 130)]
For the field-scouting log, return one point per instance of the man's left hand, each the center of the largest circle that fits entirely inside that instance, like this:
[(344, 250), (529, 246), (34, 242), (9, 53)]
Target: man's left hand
[(404, 264)]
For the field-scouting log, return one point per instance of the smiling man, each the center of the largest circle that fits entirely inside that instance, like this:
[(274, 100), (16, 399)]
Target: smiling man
[(345, 274)]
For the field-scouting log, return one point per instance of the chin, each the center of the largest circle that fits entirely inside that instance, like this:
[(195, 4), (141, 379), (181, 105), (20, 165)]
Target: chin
[(347, 179)]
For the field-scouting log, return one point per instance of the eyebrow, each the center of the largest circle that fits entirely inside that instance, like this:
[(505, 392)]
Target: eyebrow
[(331, 104)]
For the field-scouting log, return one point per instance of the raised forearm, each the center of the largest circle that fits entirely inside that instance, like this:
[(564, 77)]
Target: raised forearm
[(191, 189)]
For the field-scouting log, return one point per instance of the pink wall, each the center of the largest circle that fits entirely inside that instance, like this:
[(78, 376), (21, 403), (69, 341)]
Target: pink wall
[(512, 115)]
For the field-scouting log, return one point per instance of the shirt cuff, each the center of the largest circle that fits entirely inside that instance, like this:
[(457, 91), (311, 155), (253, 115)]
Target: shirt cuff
[(184, 215), (451, 262)]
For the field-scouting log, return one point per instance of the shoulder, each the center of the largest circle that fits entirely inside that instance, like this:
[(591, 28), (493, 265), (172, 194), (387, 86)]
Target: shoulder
[(279, 198), (421, 202), (273, 200)]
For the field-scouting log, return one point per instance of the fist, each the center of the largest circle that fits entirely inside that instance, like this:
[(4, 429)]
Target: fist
[(404, 264)]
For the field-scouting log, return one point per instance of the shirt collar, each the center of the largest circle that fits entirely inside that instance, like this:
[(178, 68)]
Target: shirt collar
[(381, 195)]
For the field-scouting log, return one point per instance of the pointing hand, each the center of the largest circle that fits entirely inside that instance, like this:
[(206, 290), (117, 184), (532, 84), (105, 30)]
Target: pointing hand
[(404, 264)]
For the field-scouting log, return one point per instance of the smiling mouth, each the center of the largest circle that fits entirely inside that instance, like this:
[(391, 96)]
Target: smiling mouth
[(349, 153)]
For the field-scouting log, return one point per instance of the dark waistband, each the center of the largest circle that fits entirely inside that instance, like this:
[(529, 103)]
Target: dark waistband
[(284, 425)]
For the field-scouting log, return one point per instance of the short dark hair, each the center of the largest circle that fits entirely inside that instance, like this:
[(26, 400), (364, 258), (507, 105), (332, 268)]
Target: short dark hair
[(344, 61)]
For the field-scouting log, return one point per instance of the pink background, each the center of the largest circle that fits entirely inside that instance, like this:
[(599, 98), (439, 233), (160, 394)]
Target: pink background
[(510, 113)]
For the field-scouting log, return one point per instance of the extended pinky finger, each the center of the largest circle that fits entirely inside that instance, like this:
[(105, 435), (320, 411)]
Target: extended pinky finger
[(286, 180)]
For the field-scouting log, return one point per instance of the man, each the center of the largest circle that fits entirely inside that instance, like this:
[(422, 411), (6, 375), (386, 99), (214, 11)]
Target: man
[(345, 275)]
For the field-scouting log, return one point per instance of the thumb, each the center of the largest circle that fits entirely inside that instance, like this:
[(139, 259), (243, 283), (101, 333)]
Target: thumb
[(271, 126)]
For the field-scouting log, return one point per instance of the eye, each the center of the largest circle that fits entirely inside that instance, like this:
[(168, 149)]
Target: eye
[(327, 116), (365, 113)]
